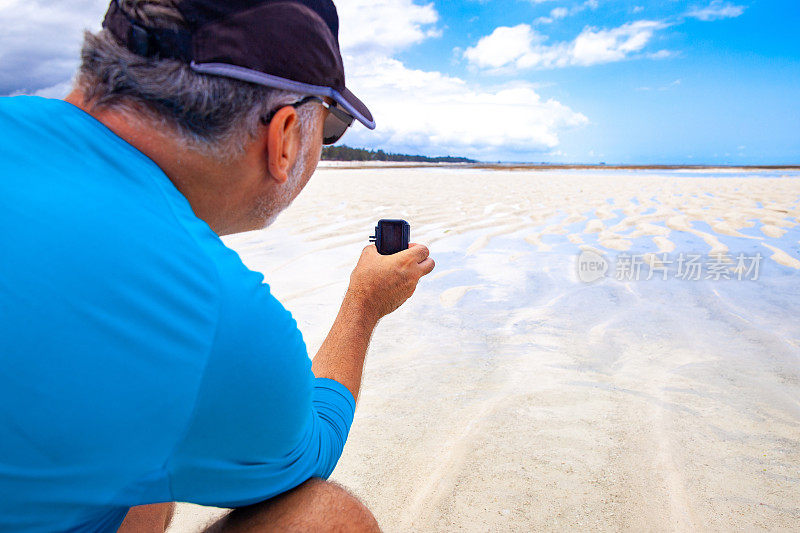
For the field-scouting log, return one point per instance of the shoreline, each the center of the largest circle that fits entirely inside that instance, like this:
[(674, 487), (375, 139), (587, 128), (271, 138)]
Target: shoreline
[(344, 165)]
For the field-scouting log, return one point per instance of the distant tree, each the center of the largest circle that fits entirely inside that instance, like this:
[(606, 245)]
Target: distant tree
[(345, 153)]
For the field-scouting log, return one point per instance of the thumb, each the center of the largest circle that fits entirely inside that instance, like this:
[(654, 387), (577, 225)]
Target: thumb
[(417, 252)]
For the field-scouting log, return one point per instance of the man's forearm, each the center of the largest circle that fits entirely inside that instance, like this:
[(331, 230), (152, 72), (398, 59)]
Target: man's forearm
[(341, 356), (378, 285)]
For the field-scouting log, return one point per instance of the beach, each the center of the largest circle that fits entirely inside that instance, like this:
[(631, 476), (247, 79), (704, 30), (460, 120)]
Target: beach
[(611, 349)]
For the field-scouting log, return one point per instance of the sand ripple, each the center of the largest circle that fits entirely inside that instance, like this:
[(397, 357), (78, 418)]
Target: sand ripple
[(507, 396)]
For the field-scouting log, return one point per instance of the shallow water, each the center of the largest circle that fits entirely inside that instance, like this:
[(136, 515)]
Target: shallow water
[(510, 395)]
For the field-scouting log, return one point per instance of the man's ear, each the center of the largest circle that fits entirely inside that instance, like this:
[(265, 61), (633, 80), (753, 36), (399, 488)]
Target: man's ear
[(283, 143)]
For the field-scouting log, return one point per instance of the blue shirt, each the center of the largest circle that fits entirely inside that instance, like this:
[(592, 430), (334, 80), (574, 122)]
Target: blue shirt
[(140, 360)]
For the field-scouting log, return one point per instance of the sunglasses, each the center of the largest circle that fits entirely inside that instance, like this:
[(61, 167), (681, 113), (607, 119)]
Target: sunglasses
[(336, 121)]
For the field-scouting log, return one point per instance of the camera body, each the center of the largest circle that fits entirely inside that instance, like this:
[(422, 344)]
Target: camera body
[(391, 236)]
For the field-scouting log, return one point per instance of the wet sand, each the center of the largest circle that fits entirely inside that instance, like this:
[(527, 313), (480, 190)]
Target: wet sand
[(508, 395)]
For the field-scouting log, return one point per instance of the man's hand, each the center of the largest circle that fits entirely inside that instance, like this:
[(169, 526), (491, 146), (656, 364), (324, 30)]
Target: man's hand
[(381, 283), (378, 285)]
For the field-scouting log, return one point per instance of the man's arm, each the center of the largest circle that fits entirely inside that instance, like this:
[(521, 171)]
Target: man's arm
[(378, 285), (262, 423)]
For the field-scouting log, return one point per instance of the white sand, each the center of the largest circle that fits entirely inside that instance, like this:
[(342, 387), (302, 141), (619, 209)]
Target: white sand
[(507, 395)]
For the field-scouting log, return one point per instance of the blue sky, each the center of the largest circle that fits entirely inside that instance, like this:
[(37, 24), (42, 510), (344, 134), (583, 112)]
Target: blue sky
[(712, 81), (715, 82)]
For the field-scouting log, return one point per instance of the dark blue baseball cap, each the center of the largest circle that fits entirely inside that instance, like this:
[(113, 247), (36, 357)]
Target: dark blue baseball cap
[(283, 44)]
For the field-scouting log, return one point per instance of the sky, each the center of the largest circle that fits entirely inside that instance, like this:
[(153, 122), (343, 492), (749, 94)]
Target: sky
[(578, 81)]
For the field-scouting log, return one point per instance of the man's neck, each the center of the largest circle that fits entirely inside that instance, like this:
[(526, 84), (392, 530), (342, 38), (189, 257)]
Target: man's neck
[(196, 176)]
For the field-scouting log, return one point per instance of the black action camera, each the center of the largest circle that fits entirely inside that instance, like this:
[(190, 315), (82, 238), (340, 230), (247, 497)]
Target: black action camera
[(391, 236)]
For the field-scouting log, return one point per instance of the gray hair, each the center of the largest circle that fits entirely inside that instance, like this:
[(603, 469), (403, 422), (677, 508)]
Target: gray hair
[(210, 114)]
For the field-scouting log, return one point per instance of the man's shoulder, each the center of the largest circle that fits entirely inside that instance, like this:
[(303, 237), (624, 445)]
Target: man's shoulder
[(12, 105), (247, 298), (121, 236), (92, 216)]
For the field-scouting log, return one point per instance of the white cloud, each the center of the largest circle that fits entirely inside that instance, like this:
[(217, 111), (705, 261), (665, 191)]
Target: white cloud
[(433, 113), (59, 90), (716, 10), (384, 26), (604, 46), (40, 41), (416, 111), (662, 54), (522, 47), (505, 45), (429, 112), (559, 13), (556, 13)]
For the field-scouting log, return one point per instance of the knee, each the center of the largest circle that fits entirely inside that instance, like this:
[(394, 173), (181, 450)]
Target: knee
[(336, 509), (316, 505)]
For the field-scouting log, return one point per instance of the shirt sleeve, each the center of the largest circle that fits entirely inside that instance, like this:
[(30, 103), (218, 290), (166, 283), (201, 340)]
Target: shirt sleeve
[(262, 423)]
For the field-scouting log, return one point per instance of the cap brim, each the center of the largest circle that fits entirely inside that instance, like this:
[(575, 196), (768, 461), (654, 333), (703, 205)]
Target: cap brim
[(346, 99), (356, 107)]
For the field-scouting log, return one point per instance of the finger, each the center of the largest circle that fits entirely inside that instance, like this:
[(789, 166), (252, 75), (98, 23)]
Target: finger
[(427, 266), (370, 249), (418, 253)]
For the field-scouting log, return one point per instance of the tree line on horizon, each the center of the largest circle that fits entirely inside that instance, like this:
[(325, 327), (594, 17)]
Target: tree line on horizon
[(345, 153)]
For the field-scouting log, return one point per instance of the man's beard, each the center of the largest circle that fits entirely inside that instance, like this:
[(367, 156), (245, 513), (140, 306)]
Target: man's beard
[(267, 209)]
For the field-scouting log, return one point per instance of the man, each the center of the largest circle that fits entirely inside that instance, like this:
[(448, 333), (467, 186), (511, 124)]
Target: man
[(142, 363)]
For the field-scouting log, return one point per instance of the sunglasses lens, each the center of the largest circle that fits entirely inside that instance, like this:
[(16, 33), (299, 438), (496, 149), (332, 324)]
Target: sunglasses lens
[(336, 123)]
